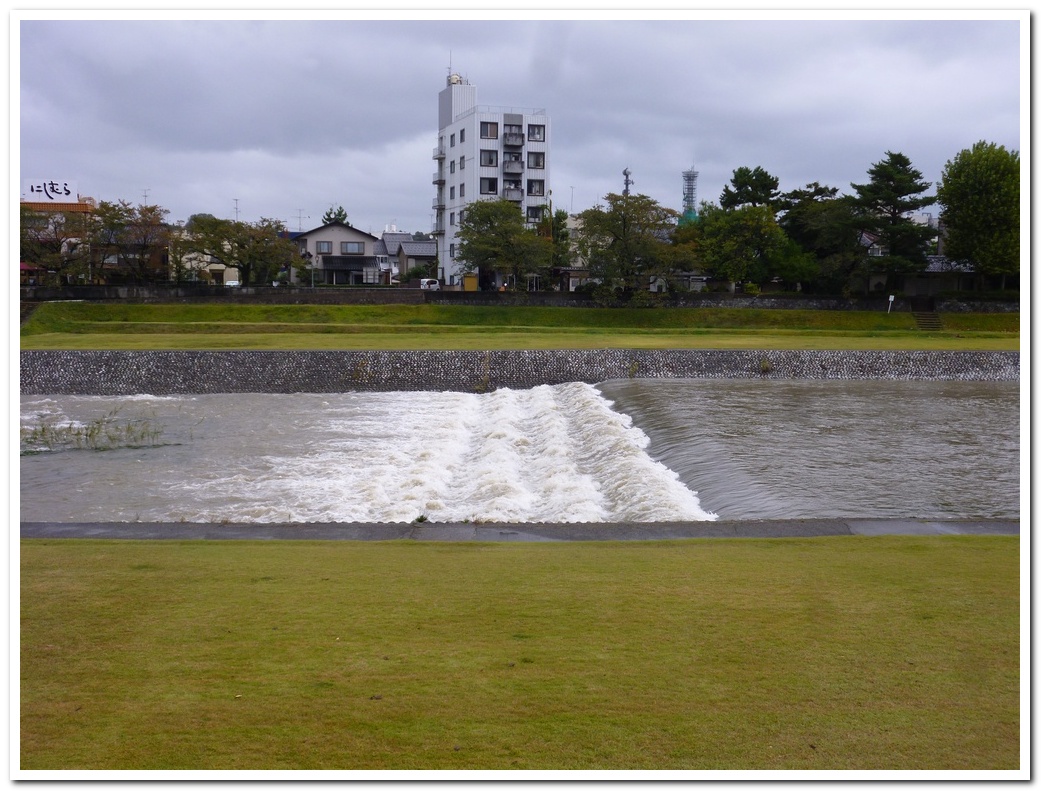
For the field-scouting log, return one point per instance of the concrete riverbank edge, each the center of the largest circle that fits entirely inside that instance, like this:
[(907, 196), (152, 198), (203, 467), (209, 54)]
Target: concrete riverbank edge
[(249, 371), (517, 533)]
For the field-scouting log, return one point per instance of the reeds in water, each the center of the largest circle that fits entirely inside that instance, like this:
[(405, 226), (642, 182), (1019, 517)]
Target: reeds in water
[(104, 433)]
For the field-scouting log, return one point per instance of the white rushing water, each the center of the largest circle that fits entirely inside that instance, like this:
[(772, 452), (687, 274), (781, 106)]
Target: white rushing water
[(548, 454)]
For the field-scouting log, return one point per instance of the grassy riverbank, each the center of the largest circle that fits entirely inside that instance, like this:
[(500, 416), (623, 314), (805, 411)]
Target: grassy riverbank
[(846, 653), (80, 325)]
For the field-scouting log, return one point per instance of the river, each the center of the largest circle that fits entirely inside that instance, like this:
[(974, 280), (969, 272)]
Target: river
[(636, 450)]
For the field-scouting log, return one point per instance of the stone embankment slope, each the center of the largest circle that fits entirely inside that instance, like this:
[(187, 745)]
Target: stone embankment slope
[(168, 372)]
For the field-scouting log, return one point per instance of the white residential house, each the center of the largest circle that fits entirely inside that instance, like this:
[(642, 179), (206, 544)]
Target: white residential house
[(485, 153), (341, 255)]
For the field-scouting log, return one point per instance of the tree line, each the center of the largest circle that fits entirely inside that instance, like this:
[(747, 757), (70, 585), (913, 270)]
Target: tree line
[(118, 242), (811, 238)]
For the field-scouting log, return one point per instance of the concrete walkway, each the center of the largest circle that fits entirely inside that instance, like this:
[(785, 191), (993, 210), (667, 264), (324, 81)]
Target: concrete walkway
[(656, 531)]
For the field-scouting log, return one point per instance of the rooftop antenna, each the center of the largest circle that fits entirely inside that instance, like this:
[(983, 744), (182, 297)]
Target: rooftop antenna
[(236, 209), (628, 181), (145, 193), (300, 219)]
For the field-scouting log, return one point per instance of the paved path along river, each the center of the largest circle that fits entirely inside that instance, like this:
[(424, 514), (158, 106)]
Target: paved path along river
[(767, 528)]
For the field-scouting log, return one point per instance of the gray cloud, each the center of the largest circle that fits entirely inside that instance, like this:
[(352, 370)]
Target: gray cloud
[(290, 117)]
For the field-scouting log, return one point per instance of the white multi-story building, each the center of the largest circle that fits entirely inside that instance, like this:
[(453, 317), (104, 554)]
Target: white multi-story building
[(485, 153)]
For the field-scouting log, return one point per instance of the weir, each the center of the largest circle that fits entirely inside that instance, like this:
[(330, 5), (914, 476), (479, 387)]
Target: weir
[(637, 451)]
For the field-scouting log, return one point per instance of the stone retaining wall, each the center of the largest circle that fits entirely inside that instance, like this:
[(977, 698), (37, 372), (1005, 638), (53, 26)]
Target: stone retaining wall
[(168, 372), (357, 295)]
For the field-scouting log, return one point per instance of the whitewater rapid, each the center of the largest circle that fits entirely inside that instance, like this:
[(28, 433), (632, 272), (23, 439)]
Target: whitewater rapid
[(549, 454)]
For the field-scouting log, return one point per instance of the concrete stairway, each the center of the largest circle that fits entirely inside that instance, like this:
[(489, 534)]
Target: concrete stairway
[(928, 321)]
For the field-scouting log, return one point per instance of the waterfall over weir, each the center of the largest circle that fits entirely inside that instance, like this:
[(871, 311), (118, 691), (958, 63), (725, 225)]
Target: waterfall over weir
[(627, 450)]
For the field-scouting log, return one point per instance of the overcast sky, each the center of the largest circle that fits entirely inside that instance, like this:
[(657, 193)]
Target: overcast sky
[(283, 119)]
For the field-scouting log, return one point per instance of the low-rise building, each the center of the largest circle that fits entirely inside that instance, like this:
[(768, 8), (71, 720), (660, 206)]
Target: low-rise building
[(341, 255)]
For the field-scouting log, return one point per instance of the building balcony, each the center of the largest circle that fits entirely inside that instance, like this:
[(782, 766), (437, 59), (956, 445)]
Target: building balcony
[(438, 228), (513, 167), (439, 178), (438, 204), (512, 139), (439, 152), (512, 193)]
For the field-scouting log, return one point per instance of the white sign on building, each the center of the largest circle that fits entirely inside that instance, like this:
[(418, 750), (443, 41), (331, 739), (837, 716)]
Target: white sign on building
[(50, 190)]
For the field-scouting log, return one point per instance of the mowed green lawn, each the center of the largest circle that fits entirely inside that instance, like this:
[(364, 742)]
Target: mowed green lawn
[(80, 325), (886, 653), (840, 653)]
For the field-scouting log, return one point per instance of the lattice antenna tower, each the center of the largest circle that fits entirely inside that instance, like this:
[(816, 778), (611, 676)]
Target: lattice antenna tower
[(690, 191)]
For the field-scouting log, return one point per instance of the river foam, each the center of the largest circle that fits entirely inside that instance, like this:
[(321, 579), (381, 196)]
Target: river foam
[(553, 453)]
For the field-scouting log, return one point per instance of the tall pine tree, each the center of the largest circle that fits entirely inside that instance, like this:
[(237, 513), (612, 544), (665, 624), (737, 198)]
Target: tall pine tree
[(885, 205)]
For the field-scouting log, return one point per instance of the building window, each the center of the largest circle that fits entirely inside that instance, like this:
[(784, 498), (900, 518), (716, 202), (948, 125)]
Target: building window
[(462, 163), (324, 248), (489, 158), (352, 248), (462, 135), (451, 141), (462, 190), (512, 129), (451, 193), (451, 250), (536, 187), (536, 160), (537, 133), (489, 130), (451, 166), (534, 213), (489, 186)]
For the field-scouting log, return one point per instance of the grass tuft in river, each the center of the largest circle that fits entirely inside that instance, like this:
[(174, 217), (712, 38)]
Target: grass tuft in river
[(103, 433)]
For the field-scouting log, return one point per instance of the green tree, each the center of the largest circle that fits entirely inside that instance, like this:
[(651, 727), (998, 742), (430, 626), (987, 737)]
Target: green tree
[(493, 238), (555, 227), (55, 242), (749, 187), (148, 237), (628, 241), (108, 246), (885, 204), (260, 251), (686, 238), (824, 225), (179, 255), (339, 214), (129, 241), (979, 199), (747, 245)]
